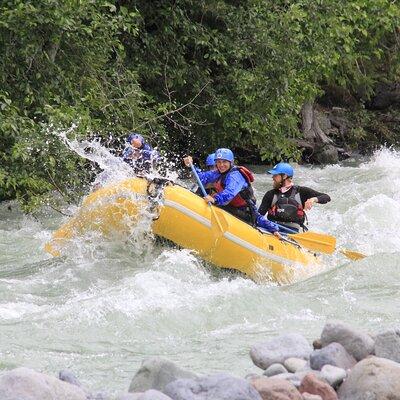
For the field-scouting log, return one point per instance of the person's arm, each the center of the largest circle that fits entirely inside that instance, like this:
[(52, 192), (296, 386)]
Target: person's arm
[(310, 196), (233, 185), (266, 202), (264, 223), (148, 153), (207, 177), (127, 152)]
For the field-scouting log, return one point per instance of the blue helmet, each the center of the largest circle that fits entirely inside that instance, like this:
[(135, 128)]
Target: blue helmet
[(224, 154), (134, 135), (210, 162), (282, 168)]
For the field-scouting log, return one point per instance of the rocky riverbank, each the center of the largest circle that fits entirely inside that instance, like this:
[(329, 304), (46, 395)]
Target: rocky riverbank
[(344, 363)]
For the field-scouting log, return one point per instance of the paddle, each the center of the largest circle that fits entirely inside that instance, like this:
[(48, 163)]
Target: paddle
[(218, 222), (352, 255), (320, 242)]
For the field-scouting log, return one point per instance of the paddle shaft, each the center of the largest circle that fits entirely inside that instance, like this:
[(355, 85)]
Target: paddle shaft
[(201, 186), (203, 190)]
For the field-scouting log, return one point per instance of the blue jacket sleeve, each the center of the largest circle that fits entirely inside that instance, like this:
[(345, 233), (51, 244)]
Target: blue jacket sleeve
[(207, 177), (233, 185), (127, 153), (264, 223), (148, 153)]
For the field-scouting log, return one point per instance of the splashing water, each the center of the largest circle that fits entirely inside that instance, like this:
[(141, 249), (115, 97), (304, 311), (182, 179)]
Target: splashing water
[(112, 303)]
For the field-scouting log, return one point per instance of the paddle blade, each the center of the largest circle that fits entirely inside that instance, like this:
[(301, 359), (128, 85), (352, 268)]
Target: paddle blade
[(352, 255), (219, 223), (315, 241)]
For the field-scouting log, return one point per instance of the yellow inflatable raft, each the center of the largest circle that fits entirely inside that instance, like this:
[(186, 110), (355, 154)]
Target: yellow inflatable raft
[(185, 219)]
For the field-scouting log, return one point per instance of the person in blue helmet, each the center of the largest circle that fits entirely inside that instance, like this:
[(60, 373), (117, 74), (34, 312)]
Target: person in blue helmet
[(286, 203), (138, 153), (210, 164), (234, 192), (210, 161)]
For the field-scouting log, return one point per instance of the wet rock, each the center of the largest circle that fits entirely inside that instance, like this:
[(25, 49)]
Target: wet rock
[(218, 386), (333, 375), (279, 349), (372, 378), (98, 396), (311, 384), (317, 344), (290, 377), (386, 94), (309, 396), (275, 369), (251, 376), (333, 354), (156, 373), (293, 364), (147, 395), (358, 344), (27, 384), (67, 376), (276, 389), (301, 374), (387, 345), (326, 154), (129, 396), (153, 395)]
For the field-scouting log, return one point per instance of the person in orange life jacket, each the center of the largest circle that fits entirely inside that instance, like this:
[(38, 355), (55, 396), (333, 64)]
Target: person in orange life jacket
[(286, 203), (234, 191)]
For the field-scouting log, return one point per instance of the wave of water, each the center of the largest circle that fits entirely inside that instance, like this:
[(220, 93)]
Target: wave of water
[(110, 304)]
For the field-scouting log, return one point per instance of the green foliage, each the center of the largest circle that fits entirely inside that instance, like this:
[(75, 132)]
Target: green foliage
[(202, 74)]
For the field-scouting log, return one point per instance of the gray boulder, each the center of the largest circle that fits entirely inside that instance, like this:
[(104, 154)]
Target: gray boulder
[(326, 154), (147, 395), (156, 373), (358, 344), (27, 384), (387, 345), (67, 376), (372, 378), (386, 94), (98, 396), (301, 374), (153, 395), (129, 396), (290, 377), (275, 369), (295, 364), (333, 375), (333, 354), (218, 386), (279, 349)]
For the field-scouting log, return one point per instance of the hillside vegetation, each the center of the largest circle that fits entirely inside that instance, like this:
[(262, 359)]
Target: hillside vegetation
[(190, 75)]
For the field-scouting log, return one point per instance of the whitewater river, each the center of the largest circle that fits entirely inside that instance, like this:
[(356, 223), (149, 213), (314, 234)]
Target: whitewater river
[(109, 304)]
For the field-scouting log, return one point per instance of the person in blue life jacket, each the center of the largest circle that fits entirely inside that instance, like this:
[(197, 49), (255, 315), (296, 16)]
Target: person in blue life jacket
[(139, 154), (286, 203), (234, 192)]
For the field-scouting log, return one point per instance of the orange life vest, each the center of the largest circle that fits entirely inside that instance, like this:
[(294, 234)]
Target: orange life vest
[(246, 195)]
